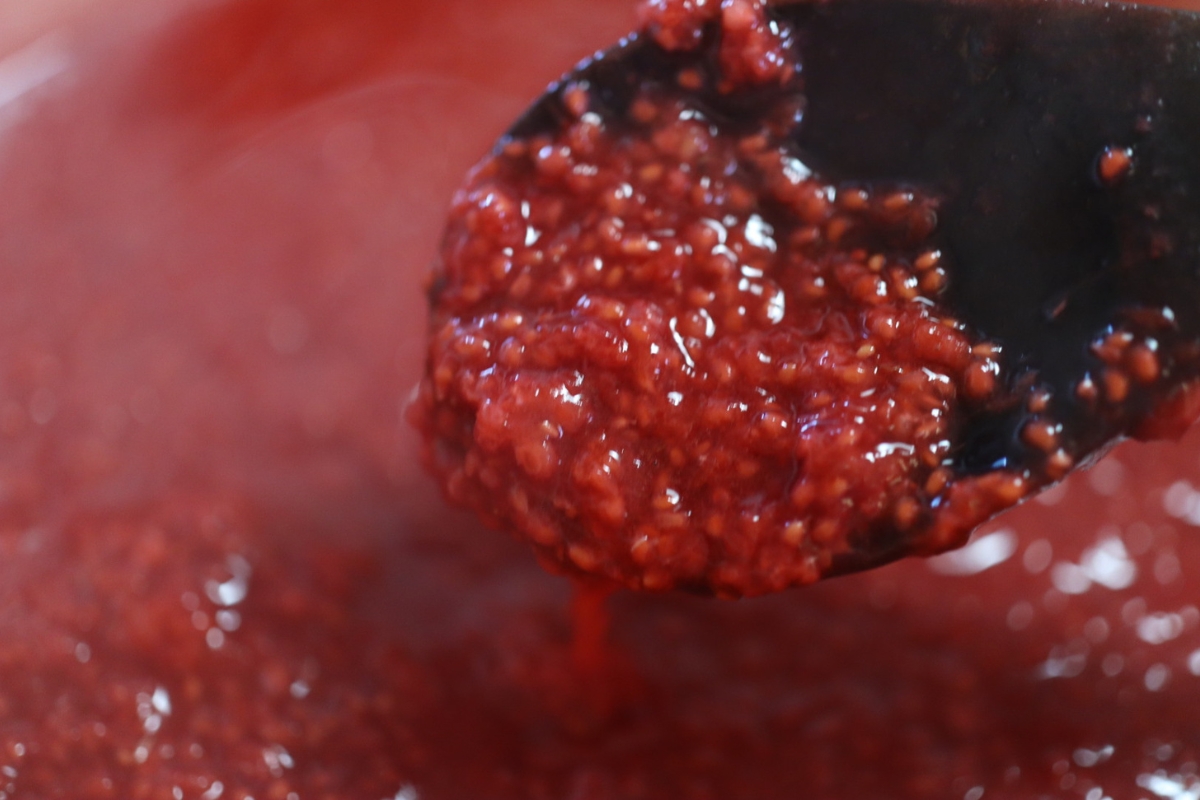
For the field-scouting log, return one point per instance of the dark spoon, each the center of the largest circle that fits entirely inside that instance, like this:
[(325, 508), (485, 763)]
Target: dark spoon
[(1004, 111)]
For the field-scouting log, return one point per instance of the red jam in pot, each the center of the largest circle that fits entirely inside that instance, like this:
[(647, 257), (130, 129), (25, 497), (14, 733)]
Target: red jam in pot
[(223, 574)]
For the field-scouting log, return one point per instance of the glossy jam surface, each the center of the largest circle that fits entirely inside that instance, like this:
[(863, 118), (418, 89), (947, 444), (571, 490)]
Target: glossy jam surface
[(223, 574)]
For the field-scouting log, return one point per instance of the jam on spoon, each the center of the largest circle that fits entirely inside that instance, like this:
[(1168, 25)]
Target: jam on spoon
[(765, 294)]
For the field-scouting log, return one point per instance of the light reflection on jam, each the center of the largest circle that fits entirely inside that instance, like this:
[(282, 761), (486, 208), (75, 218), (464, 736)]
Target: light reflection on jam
[(200, 307)]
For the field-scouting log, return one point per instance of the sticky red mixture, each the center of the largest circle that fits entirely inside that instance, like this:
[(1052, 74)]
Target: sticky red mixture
[(198, 405), (666, 353)]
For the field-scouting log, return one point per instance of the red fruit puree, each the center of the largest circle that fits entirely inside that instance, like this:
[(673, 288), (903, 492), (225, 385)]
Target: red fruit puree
[(224, 574)]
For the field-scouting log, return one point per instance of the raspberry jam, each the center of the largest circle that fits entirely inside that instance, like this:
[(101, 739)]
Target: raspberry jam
[(668, 353), (224, 573), (673, 357)]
